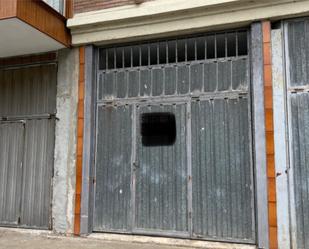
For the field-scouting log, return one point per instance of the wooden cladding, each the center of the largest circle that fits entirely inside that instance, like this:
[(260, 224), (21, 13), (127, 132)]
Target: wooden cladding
[(8, 9), (40, 16), (25, 60)]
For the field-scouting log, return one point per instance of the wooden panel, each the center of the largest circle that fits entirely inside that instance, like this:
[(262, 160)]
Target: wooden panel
[(69, 9), (7, 9), (24, 60), (44, 18)]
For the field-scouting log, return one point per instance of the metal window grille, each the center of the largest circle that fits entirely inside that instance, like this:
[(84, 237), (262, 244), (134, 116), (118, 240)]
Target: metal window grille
[(207, 47)]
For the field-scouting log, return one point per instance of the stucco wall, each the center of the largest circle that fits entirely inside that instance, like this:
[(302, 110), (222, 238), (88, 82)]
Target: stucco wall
[(65, 144)]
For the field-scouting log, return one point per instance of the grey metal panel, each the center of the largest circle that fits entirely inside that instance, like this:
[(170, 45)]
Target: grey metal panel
[(157, 81), (145, 84), (260, 167), (300, 150), (195, 78), (298, 40), (37, 173), (170, 81), (28, 90), (133, 84), (224, 75), (281, 139), (11, 156), (210, 77), (113, 168), (153, 79), (161, 177), (240, 74), (121, 85), (183, 80), (221, 170)]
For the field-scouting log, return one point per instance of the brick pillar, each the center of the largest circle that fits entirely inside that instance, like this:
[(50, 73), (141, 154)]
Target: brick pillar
[(80, 136), (269, 128)]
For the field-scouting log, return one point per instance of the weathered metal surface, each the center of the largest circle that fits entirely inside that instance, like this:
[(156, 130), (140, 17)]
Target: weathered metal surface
[(221, 170), (161, 177), (27, 98), (37, 173), (169, 77), (113, 168), (300, 143), (193, 78), (281, 141), (297, 62), (11, 157), (28, 90), (298, 52)]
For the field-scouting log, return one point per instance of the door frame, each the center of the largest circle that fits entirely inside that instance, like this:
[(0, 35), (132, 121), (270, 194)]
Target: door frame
[(255, 54)]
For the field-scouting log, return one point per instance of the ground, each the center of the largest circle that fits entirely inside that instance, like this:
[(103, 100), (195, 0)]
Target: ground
[(15, 240), (33, 239)]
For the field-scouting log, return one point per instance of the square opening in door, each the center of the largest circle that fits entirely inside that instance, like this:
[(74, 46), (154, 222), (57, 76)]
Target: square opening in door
[(158, 129)]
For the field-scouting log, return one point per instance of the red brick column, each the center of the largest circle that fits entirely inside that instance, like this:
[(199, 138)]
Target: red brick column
[(269, 127), (80, 136)]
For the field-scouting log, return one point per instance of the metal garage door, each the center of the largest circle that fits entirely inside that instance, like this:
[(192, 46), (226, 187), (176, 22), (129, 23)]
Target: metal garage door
[(298, 103), (27, 108), (173, 144)]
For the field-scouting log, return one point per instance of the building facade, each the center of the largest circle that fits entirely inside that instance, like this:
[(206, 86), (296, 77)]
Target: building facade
[(162, 118)]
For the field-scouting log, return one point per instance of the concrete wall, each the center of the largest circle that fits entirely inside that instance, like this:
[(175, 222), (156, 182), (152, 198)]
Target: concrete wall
[(165, 18), (65, 144)]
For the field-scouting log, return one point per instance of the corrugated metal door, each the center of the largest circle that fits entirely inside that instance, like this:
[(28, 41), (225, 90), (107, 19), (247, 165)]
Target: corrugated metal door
[(113, 171), (27, 109), (174, 139), (297, 49), (161, 176), (11, 158)]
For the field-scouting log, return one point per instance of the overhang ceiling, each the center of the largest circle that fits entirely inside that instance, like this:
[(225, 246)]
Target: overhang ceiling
[(19, 38)]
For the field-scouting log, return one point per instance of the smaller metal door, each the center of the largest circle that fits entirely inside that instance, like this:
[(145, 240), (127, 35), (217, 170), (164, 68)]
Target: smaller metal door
[(161, 191), (113, 169), (11, 157)]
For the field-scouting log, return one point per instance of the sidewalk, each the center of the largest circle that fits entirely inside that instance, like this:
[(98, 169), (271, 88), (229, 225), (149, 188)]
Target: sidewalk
[(32, 239)]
